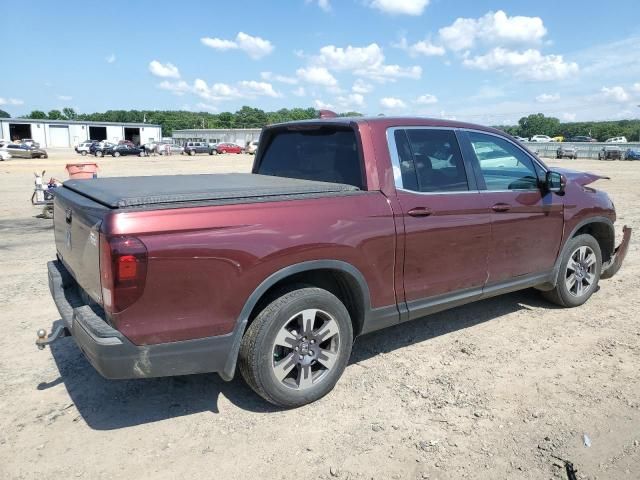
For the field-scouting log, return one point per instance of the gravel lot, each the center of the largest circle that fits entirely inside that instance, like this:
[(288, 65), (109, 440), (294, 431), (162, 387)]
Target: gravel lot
[(490, 390)]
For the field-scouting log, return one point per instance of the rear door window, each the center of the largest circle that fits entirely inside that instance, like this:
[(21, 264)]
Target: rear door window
[(326, 154), (430, 160)]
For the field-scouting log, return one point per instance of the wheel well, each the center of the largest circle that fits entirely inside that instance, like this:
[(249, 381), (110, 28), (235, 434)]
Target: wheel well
[(339, 283), (603, 234)]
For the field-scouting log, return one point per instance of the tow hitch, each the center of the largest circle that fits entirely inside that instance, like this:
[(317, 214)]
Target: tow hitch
[(43, 340)]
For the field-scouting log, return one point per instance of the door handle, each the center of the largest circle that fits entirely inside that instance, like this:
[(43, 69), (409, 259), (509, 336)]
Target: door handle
[(501, 207), (420, 212)]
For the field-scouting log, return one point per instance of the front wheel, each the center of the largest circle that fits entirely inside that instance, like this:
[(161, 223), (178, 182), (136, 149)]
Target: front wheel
[(192, 152), (116, 154), (83, 153), (296, 349), (579, 272), (99, 153)]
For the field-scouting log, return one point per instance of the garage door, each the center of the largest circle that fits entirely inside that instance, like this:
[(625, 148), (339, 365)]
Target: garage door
[(58, 136)]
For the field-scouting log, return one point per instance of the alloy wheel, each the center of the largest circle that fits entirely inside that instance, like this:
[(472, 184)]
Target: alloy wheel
[(580, 273), (306, 349)]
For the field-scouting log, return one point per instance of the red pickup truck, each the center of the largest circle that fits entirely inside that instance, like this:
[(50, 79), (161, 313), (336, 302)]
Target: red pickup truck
[(344, 226)]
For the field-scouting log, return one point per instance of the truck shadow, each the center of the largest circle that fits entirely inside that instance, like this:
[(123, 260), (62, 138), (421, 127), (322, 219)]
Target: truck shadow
[(113, 404)]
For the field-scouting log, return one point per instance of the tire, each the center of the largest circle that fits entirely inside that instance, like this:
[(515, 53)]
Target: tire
[(99, 153), (83, 153), (192, 152), (116, 154), (210, 152), (582, 289), (311, 371)]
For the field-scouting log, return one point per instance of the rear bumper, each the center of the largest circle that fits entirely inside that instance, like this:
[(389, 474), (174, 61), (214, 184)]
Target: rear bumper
[(115, 357), (610, 268)]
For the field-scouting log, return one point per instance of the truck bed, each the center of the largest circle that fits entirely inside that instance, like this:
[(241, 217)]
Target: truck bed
[(159, 191)]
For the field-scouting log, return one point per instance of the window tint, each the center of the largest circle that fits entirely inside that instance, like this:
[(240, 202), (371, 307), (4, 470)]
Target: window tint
[(327, 154), (433, 157), (503, 165)]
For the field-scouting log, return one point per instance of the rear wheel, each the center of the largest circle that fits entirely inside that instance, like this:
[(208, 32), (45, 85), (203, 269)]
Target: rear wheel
[(116, 154), (579, 272), (99, 153), (83, 153), (192, 152), (296, 349)]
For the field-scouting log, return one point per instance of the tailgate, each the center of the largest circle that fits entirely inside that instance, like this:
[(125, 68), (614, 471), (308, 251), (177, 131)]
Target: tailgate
[(77, 221)]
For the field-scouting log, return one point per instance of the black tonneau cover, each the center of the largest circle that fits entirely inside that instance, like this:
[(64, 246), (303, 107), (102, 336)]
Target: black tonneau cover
[(122, 192)]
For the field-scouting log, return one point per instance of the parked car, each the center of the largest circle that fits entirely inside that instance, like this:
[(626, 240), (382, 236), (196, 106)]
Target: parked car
[(24, 151), (567, 151), (541, 139), (252, 148), (101, 148), (558, 139), (191, 148), (632, 154), (522, 139), (228, 148), (169, 149), (85, 147), (127, 142), (123, 149), (582, 139), (612, 152), (29, 142), (616, 140), (4, 153), (345, 226)]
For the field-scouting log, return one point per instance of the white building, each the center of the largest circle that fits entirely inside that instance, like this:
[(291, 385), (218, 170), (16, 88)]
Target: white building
[(68, 133), (239, 136)]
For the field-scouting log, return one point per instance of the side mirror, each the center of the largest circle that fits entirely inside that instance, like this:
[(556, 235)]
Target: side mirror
[(555, 182)]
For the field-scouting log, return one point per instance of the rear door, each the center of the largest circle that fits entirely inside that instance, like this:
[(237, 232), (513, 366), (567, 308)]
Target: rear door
[(526, 222), (446, 225)]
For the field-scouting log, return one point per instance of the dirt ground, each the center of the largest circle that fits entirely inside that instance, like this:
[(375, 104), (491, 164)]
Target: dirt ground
[(494, 389)]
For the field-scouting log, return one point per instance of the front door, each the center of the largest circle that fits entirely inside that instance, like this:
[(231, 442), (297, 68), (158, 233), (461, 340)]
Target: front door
[(526, 222), (446, 225)]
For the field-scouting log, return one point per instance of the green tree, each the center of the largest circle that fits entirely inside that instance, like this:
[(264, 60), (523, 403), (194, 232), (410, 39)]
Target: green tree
[(538, 124), (55, 115), (37, 114), (4, 114), (69, 113)]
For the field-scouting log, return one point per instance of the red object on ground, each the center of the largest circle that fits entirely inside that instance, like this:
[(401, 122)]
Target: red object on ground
[(82, 170)]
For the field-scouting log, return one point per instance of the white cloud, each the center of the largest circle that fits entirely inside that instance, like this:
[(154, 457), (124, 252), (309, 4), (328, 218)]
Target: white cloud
[(365, 61), (64, 98), (360, 86), (299, 92), (492, 28), (529, 64), (110, 58), (568, 117), (206, 107), (424, 47), (323, 4), (218, 92), (320, 105), (617, 94), (427, 99), (255, 47), (547, 98), (251, 87), (352, 100), (399, 7), (392, 103), (167, 70), (278, 78), (11, 101), (636, 87), (317, 75)]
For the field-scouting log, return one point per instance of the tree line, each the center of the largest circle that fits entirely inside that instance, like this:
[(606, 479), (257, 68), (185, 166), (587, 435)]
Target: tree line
[(170, 120), (248, 117), (538, 124)]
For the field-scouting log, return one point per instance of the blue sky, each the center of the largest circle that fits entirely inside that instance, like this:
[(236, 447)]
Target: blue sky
[(484, 61)]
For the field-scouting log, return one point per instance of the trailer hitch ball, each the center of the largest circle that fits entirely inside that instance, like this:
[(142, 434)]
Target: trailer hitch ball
[(42, 334)]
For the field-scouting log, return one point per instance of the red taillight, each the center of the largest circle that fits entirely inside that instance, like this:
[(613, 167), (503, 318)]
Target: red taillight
[(123, 271)]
